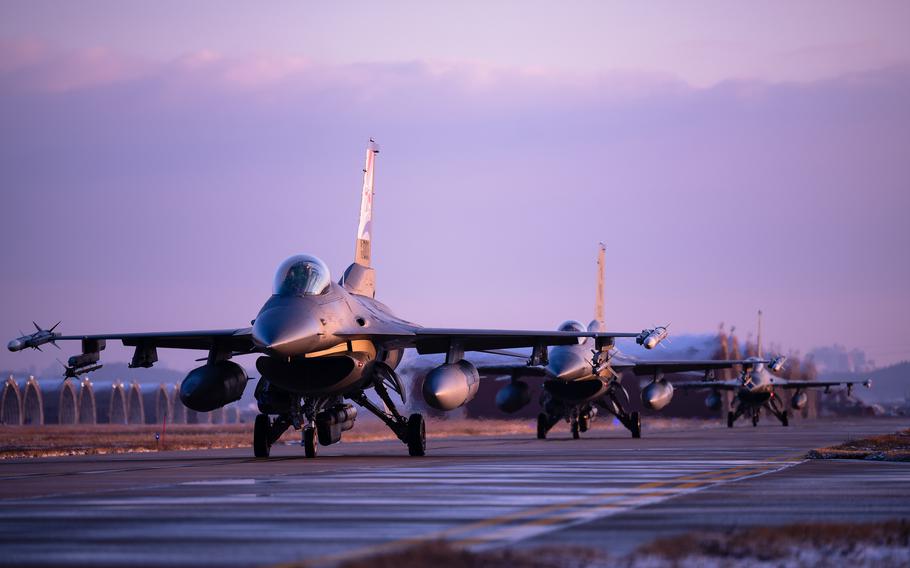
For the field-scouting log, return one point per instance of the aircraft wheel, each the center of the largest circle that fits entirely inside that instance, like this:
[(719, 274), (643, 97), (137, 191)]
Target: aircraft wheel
[(576, 434), (584, 423), (261, 433), (542, 426), (309, 442), (417, 435), (730, 419), (785, 419), (754, 420), (636, 424)]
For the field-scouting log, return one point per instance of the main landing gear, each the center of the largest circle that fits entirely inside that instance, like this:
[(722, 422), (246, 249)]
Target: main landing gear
[(612, 404), (266, 432), (412, 430), (323, 419), (778, 412)]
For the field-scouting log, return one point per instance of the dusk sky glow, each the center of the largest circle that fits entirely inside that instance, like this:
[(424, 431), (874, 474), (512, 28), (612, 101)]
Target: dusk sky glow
[(159, 160)]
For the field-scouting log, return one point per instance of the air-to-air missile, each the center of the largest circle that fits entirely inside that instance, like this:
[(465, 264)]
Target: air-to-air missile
[(649, 338), (34, 340)]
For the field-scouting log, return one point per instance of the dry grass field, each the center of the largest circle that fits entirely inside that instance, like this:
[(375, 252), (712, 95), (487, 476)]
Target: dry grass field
[(885, 545), (889, 447)]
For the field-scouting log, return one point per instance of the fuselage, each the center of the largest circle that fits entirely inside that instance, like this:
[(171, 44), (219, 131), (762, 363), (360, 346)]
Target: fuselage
[(757, 386), (307, 331), (571, 368)]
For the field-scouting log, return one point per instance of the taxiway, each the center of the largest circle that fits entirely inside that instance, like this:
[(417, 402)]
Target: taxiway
[(224, 508)]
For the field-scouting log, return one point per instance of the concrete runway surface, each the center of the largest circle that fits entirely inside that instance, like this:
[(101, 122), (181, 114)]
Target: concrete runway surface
[(224, 508)]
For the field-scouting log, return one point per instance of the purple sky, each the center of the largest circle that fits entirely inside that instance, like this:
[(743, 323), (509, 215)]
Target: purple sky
[(157, 164)]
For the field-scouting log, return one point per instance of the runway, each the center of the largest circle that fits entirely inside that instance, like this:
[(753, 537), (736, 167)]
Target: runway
[(221, 507)]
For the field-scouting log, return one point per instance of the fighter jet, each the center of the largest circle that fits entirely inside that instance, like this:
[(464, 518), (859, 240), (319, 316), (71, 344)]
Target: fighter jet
[(323, 343), (757, 388), (579, 380)]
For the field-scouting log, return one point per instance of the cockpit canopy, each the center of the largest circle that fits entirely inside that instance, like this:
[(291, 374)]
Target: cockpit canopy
[(302, 275), (572, 325)]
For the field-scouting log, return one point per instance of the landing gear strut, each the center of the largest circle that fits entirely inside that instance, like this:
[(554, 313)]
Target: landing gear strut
[(778, 412), (411, 431), (631, 420), (543, 425), (576, 434)]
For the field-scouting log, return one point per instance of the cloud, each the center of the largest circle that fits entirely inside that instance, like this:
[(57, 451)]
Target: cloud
[(184, 183)]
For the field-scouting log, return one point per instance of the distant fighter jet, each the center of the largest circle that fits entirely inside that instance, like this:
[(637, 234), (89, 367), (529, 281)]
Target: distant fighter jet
[(579, 380), (756, 388), (322, 343)]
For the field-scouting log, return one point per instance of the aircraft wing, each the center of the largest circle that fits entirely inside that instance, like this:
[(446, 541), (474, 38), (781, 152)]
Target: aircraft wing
[(240, 340), (522, 370), (715, 385), (684, 366), (819, 384), (437, 340)]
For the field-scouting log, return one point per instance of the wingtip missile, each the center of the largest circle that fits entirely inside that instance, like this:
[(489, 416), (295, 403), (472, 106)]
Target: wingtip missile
[(34, 340)]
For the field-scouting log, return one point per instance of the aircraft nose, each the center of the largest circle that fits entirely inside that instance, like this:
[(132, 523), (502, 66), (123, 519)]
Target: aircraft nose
[(567, 365), (286, 333)]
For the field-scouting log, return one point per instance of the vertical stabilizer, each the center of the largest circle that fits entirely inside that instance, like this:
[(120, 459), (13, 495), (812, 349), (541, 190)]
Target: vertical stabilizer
[(759, 334), (599, 301), (359, 278), (362, 253)]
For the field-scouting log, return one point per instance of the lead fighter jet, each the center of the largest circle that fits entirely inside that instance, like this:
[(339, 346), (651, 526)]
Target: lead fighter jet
[(322, 343)]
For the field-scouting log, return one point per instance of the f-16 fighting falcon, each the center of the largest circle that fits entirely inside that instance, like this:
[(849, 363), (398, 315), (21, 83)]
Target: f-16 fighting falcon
[(579, 380), (322, 343), (756, 388)]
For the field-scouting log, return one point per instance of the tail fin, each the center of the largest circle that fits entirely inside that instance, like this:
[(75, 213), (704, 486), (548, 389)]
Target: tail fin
[(759, 334), (359, 277), (599, 302), (362, 252)]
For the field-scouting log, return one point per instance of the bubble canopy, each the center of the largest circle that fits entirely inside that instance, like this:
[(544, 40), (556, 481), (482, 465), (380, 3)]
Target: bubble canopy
[(302, 275)]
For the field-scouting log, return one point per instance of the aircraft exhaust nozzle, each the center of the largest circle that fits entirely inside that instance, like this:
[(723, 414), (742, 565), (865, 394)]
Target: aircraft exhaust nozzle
[(450, 386), (657, 394)]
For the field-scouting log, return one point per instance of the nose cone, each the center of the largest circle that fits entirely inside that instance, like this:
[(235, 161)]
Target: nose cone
[(568, 365), (651, 342), (286, 332), (14, 345)]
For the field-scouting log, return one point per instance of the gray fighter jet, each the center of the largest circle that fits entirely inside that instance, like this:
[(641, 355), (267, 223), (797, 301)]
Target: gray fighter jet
[(579, 380), (757, 388), (321, 344)]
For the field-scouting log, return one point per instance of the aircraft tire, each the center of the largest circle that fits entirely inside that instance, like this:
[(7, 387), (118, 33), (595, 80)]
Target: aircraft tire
[(636, 424), (417, 435), (261, 432), (755, 420), (730, 419), (584, 424), (785, 419), (542, 426), (309, 442), (576, 433)]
